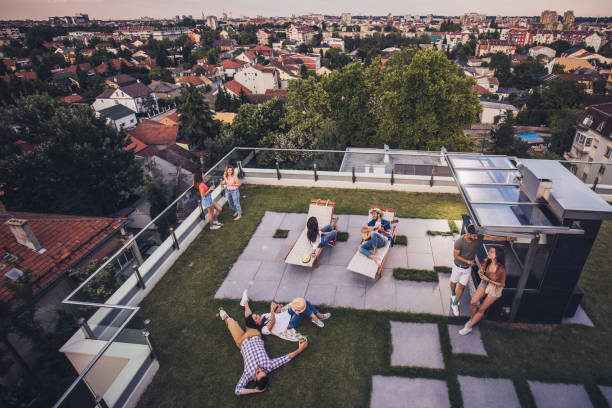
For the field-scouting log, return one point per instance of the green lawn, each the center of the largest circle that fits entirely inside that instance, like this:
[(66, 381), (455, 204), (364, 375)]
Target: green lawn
[(201, 367)]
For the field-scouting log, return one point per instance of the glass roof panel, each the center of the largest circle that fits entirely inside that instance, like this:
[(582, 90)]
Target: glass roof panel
[(510, 215), (495, 193), (487, 176), (483, 162)]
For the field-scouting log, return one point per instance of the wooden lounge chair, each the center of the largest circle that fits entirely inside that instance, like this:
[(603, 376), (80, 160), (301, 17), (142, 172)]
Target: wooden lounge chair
[(323, 210), (362, 264)]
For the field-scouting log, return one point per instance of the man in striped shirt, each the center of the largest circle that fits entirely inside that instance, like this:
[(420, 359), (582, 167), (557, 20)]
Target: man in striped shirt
[(257, 364)]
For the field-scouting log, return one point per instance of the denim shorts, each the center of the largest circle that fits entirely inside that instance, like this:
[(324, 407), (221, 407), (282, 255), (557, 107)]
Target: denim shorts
[(207, 201)]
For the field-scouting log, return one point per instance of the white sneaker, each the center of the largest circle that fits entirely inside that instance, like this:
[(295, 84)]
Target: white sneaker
[(245, 298), (465, 331), (215, 227), (223, 314), (455, 309), (318, 322), (325, 316), (217, 223)]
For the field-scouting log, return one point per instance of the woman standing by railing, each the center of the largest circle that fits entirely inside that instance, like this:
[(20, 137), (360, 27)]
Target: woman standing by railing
[(232, 183)]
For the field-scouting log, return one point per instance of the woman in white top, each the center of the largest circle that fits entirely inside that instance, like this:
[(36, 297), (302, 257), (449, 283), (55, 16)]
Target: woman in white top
[(319, 238), (276, 322)]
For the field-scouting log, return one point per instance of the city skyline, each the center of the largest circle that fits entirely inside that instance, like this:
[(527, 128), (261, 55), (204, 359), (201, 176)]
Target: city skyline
[(114, 9)]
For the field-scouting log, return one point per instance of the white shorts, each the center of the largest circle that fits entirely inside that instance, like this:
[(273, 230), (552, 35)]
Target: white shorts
[(460, 275)]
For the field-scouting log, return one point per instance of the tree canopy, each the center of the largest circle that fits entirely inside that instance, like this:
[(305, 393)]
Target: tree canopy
[(197, 121), (78, 164)]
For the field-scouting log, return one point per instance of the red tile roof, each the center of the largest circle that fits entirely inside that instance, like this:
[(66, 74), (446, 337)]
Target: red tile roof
[(136, 90), (134, 144), (232, 63), (235, 87), (74, 98), (154, 133), (67, 240), (191, 79), (106, 94), (480, 89)]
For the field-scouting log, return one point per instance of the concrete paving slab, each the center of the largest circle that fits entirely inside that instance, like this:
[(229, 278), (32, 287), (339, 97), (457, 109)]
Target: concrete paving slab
[(445, 292), (416, 345), (579, 318), (341, 255), (294, 283), (350, 296), (231, 289), (244, 270), (321, 294), (270, 271), (397, 257), (488, 392), (336, 275), (343, 220), (442, 249), (380, 294), (607, 392), (418, 245), (260, 249), (413, 227), (357, 221), (269, 224), (470, 344), (549, 395), (293, 222), (420, 260), (418, 297), (401, 392), (263, 289)]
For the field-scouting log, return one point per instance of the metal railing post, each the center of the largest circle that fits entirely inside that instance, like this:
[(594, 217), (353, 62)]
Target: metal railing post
[(354, 178), (175, 243), (138, 276), (240, 170), (316, 176), (89, 334), (202, 214), (278, 175), (147, 335), (136, 251)]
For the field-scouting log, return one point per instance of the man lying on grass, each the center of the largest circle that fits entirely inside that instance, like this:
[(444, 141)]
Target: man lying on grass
[(257, 364)]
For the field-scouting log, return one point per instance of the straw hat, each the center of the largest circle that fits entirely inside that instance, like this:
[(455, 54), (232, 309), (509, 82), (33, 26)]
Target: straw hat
[(298, 305), (377, 210)]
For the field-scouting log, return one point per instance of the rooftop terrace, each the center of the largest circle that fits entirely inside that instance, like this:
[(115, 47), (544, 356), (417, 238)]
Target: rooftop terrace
[(346, 360)]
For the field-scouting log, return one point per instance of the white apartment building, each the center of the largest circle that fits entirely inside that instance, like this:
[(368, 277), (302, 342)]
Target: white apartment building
[(593, 143), (258, 78)]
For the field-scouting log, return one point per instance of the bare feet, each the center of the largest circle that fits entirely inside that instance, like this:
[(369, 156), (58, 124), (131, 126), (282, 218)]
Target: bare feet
[(237, 218)]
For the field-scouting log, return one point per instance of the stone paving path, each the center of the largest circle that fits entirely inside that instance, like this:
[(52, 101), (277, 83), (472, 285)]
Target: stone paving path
[(471, 344), (488, 392), (399, 392), (548, 395), (262, 270), (416, 344)]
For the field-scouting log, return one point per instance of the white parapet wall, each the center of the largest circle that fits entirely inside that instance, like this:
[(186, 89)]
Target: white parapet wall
[(334, 179)]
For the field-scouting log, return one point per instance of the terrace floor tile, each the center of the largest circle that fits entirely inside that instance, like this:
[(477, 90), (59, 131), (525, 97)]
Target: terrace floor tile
[(549, 395), (401, 392), (416, 345), (488, 392), (470, 344)]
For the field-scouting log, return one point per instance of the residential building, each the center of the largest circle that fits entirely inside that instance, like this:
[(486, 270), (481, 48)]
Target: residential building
[(137, 96), (336, 43), (119, 116), (211, 22), (311, 61), (193, 81), (262, 37), (519, 36), (176, 165), (484, 47), (570, 64), (549, 18), (236, 89), (301, 34), (247, 56), (345, 18), (595, 40), (165, 90), (593, 143), (568, 18), (492, 109), (117, 81), (490, 83), (153, 133), (538, 50), (232, 66), (258, 78)]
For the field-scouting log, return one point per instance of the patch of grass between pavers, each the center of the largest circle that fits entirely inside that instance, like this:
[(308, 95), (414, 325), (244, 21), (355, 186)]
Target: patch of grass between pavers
[(401, 240), (454, 229), (342, 236), (443, 269), (280, 233), (421, 275), (441, 233), (201, 367)]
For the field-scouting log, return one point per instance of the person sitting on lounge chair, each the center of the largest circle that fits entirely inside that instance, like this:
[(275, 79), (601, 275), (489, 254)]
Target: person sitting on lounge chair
[(372, 241), (257, 364), (318, 239), (382, 226)]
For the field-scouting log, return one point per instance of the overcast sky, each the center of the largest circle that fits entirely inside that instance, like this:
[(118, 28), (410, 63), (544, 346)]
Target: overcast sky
[(104, 9)]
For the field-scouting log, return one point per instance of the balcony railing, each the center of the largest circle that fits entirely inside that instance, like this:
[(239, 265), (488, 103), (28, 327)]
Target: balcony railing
[(111, 329)]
